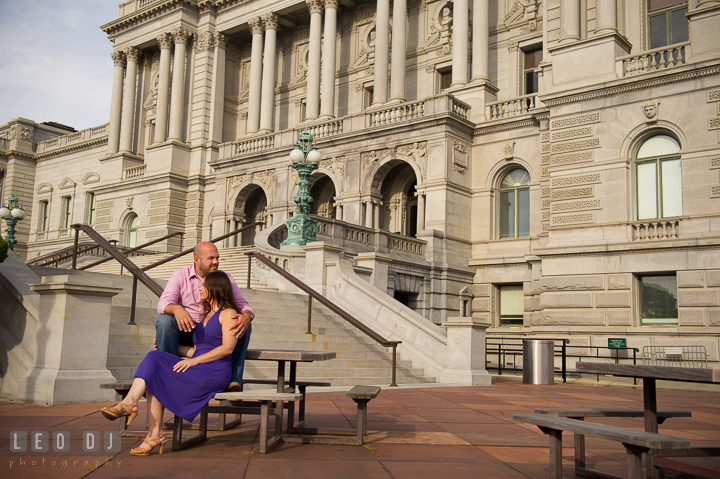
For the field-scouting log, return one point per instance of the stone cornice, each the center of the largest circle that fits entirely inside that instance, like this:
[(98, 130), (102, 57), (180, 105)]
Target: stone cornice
[(510, 124), (151, 11), (630, 84), (72, 148)]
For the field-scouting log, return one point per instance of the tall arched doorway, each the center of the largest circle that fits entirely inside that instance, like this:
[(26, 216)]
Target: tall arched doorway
[(250, 207), (323, 192), (399, 211)]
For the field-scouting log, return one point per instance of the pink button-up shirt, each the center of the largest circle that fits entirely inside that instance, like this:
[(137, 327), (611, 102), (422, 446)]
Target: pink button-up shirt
[(182, 289)]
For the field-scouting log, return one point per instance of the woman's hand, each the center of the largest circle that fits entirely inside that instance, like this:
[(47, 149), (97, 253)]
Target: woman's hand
[(185, 364)]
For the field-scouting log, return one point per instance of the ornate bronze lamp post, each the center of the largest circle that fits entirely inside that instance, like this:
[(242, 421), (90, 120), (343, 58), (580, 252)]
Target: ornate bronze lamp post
[(12, 213), (304, 158)]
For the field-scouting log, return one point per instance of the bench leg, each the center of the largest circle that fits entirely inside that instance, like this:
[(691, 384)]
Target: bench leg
[(178, 442), (266, 443), (579, 452), (634, 461), (555, 436), (361, 419)]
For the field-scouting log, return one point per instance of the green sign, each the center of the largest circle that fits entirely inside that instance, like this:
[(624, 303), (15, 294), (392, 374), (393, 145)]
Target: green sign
[(617, 343)]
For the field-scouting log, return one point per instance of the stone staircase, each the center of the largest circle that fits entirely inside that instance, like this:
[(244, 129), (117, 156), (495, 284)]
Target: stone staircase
[(281, 323), (232, 260)]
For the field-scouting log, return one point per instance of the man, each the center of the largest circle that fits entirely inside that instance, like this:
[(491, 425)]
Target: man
[(181, 310)]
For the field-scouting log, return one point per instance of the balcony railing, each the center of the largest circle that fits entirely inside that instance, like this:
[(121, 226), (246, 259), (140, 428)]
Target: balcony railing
[(655, 59), (134, 172), (513, 107), (327, 129), (655, 230), (395, 114), (253, 145), (72, 138)]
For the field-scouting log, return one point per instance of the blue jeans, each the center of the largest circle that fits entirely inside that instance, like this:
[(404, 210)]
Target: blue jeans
[(169, 337)]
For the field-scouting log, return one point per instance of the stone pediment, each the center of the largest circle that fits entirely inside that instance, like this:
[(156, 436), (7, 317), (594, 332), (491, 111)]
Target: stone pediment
[(91, 178), (44, 188), (66, 184)]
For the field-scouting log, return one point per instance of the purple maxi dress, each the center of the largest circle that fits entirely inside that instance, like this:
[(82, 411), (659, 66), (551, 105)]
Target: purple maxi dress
[(186, 393)]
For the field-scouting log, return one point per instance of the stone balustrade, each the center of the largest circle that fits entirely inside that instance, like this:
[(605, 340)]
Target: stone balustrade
[(405, 244), (326, 129), (253, 145), (514, 107), (656, 59), (395, 114), (133, 6), (460, 108), (134, 172), (655, 230), (4, 144), (72, 138)]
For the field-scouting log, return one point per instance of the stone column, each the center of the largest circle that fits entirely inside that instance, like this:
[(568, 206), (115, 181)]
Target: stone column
[(465, 352), (177, 95), (569, 20), (480, 42), (256, 68), (327, 109), (116, 103), (368, 214), (270, 22), (338, 212), (376, 215), (217, 94), (397, 73), (128, 109), (163, 95), (421, 212), (72, 336), (606, 16), (461, 32), (312, 107), (382, 47)]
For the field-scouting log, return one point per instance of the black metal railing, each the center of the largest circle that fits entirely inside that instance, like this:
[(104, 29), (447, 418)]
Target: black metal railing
[(137, 273), (499, 347), (312, 294)]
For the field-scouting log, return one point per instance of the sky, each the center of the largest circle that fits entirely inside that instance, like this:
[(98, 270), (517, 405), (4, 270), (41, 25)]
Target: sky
[(55, 61)]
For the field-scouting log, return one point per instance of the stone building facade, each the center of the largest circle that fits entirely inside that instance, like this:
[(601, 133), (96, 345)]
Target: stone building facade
[(547, 167)]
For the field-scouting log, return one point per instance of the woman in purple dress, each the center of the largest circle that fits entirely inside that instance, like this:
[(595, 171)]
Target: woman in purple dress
[(186, 386)]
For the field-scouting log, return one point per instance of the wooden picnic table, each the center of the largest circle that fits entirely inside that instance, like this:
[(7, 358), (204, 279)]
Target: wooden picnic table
[(650, 375)]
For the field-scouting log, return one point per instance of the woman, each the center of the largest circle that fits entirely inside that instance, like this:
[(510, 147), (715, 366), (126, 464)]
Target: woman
[(185, 387)]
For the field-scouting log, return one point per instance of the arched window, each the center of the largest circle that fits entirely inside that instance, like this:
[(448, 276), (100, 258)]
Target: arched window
[(514, 205), (132, 227), (659, 178)]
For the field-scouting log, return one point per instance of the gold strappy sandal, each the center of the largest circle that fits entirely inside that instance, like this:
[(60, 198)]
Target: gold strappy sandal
[(118, 411), (150, 443)]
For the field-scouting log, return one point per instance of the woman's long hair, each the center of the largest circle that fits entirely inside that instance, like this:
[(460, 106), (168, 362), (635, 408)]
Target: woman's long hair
[(219, 290)]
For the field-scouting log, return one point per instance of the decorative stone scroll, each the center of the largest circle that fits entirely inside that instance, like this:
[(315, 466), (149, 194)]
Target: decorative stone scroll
[(335, 165), (576, 180), (715, 192), (571, 193), (460, 156), (571, 134), (713, 95), (266, 177), (575, 121), (572, 158), (573, 219), (715, 162), (714, 124), (575, 145), (545, 137), (576, 206)]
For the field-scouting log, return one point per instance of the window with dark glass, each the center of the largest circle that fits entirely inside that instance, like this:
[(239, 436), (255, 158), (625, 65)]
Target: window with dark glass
[(659, 178), (530, 70), (511, 305), (132, 227), (445, 79), (514, 199), (667, 23), (66, 211), (43, 215), (658, 299), (91, 208)]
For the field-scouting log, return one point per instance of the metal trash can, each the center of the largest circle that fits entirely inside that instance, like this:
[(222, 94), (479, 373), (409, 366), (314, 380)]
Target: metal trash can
[(538, 361)]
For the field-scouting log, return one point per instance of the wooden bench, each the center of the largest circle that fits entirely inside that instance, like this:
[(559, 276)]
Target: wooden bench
[(122, 388), (242, 402), (311, 435), (582, 413), (636, 442)]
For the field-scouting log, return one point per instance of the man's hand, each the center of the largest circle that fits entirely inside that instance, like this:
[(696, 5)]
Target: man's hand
[(185, 364), (184, 321), (243, 321)]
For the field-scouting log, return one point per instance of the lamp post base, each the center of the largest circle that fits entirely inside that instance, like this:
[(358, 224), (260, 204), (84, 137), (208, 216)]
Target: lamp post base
[(301, 230)]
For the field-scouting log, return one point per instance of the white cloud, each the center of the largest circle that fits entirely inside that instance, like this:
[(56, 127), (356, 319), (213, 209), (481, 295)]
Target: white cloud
[(55, 63)]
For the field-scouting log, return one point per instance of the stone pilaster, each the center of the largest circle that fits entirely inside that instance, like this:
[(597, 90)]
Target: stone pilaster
[(177, 94), (327, 109), (116, 102), (397, 73), (382, 50), (312, 108), (128, 105), (161, 112), (270, 22), (256, 69)]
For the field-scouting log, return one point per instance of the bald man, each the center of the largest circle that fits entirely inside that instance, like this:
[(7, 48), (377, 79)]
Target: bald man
[(181, 310)]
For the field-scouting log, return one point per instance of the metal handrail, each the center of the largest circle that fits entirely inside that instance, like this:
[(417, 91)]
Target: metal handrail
[(328, 304), (119, 257), (132, 250), (50, 258), (137, 273)]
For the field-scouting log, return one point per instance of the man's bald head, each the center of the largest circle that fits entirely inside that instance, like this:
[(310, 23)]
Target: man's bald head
[(206, 258)]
